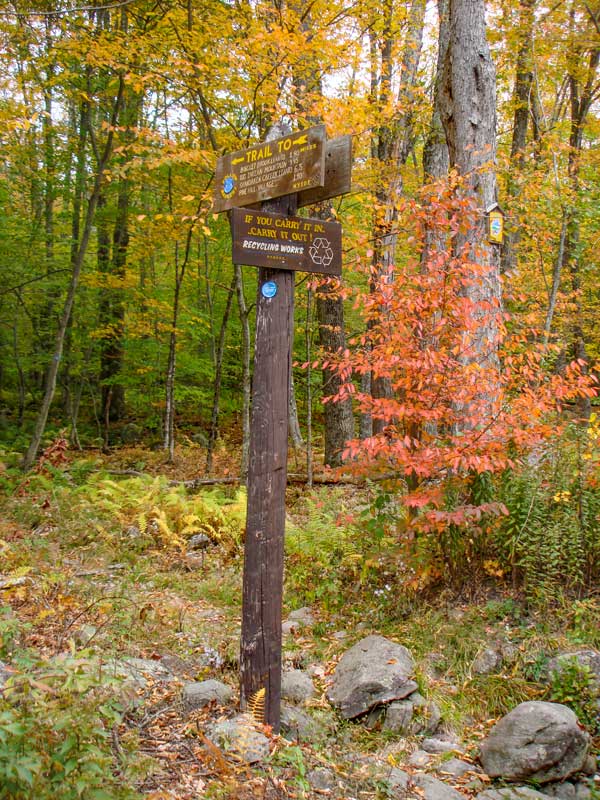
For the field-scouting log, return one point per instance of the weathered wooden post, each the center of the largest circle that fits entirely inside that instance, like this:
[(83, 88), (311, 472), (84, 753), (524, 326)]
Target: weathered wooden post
[(287, 166)]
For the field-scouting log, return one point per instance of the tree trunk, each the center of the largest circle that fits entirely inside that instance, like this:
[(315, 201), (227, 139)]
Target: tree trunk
[(293, 421), (77, 265), (246, 380), (468, 112), (339, 419), (214, 419), (522, 92), (393, 142)]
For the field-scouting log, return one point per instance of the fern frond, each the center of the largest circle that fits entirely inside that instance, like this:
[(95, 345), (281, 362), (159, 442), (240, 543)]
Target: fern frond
[(256, 705)]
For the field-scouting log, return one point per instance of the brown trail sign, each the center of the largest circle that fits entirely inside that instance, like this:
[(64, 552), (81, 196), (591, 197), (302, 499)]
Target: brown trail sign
[(271, 169), (264, 239), (260, 649)]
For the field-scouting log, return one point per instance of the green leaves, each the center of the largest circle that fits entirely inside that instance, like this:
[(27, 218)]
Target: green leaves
[(55, 723)]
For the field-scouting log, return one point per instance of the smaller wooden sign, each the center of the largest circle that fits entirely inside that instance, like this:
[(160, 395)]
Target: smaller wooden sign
[(271, 169), (338, 171), (264, 239)]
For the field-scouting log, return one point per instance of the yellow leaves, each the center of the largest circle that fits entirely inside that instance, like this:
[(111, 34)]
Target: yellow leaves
[(492, 568), (256, 705), (562, 497)]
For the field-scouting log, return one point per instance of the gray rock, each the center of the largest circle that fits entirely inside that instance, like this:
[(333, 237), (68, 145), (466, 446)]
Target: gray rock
[(583, 790), (397, 779), (568, 790), (199, 541), (300, 618), (296, 724), (563, 791), (399, 716), (194, 560), (83, 636), (511, 793), (322, 779), (584, 658), (413, 716), (426, 716), (133, 674), (487, 662), (435, 664), (202, 693), (537, 741), (373, 672), (509, 651), (434, 789), (139, 667), (240, 737), (303, 616), (456, 767), (177, 666), (419, 758), (590, 765), (439, 746), (296, 686)]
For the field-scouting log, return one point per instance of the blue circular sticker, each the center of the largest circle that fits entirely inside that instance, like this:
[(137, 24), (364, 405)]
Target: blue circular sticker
[(269, 289), (228, 184)]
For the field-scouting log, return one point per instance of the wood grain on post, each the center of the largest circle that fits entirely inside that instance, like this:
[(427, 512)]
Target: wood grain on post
[(260, 652)]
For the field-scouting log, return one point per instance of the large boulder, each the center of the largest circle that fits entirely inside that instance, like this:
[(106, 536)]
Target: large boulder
[(373, 672), (536, 741)]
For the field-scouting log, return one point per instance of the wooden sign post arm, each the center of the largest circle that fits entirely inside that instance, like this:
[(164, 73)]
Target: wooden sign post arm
[(260, 652)]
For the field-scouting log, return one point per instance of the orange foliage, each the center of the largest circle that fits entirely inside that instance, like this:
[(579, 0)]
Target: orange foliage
[(453, 411)]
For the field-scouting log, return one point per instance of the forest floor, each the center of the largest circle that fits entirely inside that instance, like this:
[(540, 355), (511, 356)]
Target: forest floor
[(95, 570)]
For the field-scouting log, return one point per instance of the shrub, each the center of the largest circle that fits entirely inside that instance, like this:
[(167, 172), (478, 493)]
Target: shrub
[(57, 722)]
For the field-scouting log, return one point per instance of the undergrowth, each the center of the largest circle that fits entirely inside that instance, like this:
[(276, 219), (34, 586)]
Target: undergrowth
[(59, 721)]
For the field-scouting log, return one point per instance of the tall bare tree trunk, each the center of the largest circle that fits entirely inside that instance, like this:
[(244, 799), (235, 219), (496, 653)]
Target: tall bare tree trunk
[(214, 419), (77, 266), (468, 112), (522, 93), (246, 379)]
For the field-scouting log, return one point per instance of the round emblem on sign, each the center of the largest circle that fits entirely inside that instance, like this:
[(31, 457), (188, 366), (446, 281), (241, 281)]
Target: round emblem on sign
[(320, 252), (269, 289), (228, 185)]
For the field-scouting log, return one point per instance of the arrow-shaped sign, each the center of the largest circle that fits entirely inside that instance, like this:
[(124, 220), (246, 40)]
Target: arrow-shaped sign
[(291, 164)]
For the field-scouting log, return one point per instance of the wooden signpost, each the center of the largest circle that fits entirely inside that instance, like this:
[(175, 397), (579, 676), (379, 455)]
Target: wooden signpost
[(286, 169)]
